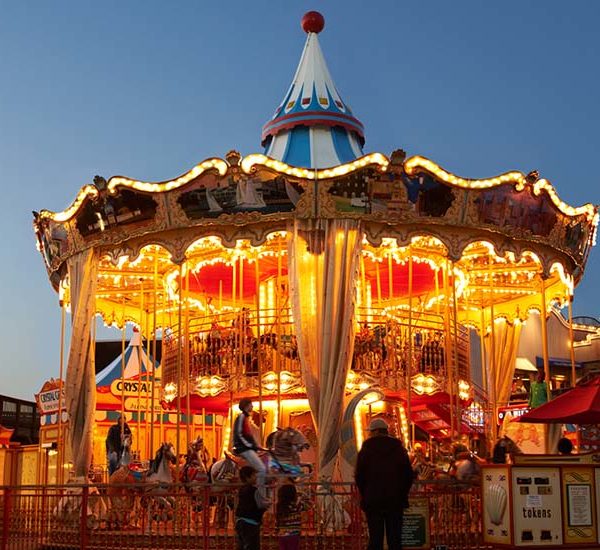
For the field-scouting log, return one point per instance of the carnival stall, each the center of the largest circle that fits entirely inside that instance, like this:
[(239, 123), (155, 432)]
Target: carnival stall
[(311, 273)]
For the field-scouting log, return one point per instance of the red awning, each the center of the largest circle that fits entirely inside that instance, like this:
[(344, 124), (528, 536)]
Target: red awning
[(5, 435), (581, 405)]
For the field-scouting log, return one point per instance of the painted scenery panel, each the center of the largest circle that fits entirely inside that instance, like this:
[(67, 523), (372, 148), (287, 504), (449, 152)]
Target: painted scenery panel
[(211, 197), (392, 194), (505, 207), (577, 235), (53, 239), (108, 211)]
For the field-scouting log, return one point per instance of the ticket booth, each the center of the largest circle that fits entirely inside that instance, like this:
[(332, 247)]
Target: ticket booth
[(542, 501)]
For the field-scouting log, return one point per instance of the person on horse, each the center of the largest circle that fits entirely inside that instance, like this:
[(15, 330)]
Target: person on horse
[(114, 443), (244, 444)]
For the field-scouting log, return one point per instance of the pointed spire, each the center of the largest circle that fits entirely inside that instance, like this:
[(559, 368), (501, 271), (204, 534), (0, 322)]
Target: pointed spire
[(313, 127)]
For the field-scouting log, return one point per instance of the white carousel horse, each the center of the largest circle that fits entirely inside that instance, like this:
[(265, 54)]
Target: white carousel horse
[(153, 484), (281, 457), (68, 508), (285, 446)]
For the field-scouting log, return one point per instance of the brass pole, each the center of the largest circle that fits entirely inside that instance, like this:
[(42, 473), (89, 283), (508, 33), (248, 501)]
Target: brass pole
[(139, 377), (390, 280), (456, 365), (573, 373), (123, 367), (233, 282), (204, 426), (147, 423), (484, 366), (153, 397), (179, 357), (493, 363), (437, 291), (571, 347), (278, 312), (545, 339), (448, 347), (258, 361), (220, 295), (164, 302), (409, 366), (378, 286), (186, 362), (60, 444)]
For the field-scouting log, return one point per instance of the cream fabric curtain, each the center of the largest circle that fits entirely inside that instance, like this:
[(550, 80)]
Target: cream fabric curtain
[(323, 264), (501, 368), (80, 386)]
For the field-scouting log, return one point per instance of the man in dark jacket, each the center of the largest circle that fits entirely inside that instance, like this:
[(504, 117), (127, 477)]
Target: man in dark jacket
[(114, 443), (383, 477)]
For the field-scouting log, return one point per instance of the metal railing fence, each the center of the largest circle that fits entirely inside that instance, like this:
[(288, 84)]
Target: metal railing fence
[(201, 516)]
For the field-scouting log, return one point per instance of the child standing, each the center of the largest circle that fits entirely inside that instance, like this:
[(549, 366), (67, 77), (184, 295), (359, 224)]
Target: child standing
[(289, 517), (249, 511)]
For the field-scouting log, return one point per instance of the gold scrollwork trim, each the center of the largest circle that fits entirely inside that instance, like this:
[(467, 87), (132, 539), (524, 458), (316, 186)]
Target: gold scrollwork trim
[(250, 162), (518, 179), (148, 187)]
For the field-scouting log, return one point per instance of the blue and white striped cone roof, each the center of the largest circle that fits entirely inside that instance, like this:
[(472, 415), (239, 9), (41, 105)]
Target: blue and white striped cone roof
[(313, 127)]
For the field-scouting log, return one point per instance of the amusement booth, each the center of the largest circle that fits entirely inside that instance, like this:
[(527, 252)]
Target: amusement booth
[(328, 284)]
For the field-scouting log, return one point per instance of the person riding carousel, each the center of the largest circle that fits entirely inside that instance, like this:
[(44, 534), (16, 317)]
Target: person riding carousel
[(114, 443), (244, 444)]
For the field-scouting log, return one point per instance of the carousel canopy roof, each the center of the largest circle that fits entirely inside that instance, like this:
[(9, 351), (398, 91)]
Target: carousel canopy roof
[(313, 127)]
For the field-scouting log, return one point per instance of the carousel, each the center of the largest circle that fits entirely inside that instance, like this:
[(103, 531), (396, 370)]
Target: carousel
[(327, 284)]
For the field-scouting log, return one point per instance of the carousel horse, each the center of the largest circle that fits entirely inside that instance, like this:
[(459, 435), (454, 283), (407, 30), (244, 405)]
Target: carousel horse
[(68, 508), (152, 484), (194, 474), (284, 448), (281, 459), (282, 456), (223, 474)]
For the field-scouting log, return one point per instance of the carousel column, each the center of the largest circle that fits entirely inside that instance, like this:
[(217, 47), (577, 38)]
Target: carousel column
[(323, 270), (80, 384)]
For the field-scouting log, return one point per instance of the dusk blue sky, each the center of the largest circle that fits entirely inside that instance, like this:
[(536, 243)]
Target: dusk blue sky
[(148, 89)]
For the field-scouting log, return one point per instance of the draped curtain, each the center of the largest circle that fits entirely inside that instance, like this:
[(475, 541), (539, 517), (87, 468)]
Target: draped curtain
[(323, 264), (501, 367), (80, 386)]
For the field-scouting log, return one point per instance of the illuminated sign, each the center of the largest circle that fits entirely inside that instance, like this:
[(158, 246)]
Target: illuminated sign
[(47, 399), (133, 388)]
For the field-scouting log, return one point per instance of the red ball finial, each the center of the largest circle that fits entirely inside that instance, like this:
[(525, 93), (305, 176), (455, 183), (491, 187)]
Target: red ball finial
[(313, 21)]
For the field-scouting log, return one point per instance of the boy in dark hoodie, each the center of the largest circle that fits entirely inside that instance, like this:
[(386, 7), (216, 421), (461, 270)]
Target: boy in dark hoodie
[(249, 511)]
